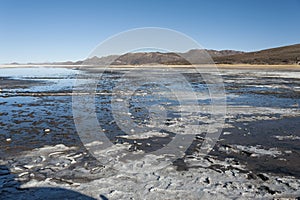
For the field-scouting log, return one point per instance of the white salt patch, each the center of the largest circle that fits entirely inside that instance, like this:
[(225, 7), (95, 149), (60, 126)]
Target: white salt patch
[(167, 183), (47, 130), (94, 143), (144, 135), (284, 74), (260, 151), (288, 137)]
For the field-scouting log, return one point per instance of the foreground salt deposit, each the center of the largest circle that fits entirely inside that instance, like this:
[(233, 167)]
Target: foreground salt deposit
[(206, 178)]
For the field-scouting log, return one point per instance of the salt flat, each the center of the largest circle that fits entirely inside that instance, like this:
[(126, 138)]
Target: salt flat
[(256, 155)]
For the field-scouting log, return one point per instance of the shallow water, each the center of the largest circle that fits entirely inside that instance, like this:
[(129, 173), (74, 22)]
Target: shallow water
[(55, 79), (27, 115), (36, 111)]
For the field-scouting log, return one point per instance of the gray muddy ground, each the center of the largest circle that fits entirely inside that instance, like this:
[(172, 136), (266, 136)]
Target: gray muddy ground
[(42, 156)]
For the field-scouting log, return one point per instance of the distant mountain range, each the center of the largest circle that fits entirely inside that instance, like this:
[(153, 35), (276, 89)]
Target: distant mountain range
[(195, 56), (278, 56)]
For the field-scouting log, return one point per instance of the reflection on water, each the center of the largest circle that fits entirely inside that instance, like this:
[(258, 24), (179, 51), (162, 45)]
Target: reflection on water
[(31, 121), (55, 79)]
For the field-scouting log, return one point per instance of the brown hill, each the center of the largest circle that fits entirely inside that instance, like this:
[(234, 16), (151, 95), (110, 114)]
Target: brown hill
[(194, 56), (202, 56), (150, 58), (281, 55)]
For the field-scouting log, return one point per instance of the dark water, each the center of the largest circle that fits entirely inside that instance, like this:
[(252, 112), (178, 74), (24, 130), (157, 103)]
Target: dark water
[(36, 110)]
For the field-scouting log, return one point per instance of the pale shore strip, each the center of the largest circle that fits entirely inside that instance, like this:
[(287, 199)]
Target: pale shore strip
[(38, 65), (220, 66), (252, 66)]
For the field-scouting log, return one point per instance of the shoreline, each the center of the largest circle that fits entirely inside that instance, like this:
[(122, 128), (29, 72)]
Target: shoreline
[(219, 66), (256, 66)]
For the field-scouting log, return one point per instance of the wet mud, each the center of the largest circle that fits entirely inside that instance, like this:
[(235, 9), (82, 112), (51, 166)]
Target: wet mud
[(259, 141)]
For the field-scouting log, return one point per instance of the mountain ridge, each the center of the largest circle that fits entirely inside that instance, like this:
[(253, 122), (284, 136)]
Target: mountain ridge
[(280, 55), (283, 55)]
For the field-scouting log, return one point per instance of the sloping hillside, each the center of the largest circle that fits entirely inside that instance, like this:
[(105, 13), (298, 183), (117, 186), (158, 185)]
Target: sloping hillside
[(191, 57), (281, 55)]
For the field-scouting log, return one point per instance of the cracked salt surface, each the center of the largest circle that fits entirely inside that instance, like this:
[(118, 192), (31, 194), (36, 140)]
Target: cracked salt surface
[(63, 167)]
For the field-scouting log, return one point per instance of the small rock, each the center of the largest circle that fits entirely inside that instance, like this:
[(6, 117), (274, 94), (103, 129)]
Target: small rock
[(254, 155), (251, 176), (207, 180), (263, 177), (267, 189), (47, 130)]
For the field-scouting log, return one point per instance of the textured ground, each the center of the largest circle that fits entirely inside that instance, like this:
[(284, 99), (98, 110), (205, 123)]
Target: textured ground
[(256, 156)]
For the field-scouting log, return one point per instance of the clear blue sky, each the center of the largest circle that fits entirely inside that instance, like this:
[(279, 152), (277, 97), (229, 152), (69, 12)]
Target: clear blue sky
[(60, 30)]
